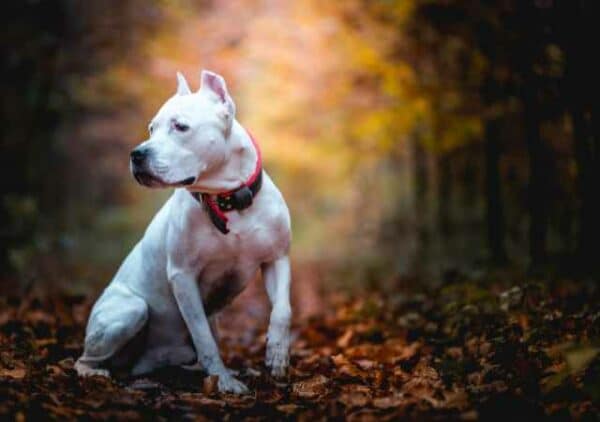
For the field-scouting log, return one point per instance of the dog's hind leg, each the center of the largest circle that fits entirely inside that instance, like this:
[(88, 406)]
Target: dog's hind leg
[(163, 356), (116, 318)]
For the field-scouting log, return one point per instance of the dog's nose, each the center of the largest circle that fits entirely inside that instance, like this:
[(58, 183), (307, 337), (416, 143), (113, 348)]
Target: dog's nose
[(138, 156)]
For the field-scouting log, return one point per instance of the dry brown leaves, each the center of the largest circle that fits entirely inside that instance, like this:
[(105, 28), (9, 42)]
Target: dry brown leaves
[(420, 358)]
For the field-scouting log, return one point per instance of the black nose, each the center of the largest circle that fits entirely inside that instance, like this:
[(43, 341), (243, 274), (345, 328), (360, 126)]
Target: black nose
[(138, 156)]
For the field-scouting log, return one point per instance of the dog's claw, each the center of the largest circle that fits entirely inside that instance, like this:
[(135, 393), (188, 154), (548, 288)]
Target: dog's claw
[(228, 384)]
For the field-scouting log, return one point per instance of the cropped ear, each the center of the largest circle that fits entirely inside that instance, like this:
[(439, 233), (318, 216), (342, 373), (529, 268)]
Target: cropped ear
[(182, 86), (210, 81), (215, 85)]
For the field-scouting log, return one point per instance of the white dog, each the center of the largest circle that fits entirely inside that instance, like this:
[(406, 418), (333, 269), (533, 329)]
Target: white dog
[(224, 221)]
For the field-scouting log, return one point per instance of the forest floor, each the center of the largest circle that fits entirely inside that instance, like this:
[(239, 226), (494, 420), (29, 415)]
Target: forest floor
[(465, 350)]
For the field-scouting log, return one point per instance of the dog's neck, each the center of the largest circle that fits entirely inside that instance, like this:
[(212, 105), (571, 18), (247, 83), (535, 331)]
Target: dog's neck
[(235, 170)]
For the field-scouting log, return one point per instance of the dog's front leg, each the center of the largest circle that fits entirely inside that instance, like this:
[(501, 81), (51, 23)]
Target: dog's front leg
[(276, 275), (190, 305)]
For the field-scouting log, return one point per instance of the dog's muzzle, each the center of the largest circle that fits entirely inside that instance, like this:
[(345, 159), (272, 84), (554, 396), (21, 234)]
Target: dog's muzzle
[(139, 159), (139, 168)]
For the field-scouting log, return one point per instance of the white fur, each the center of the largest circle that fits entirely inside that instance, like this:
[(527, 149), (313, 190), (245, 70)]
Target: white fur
[(184, 268)]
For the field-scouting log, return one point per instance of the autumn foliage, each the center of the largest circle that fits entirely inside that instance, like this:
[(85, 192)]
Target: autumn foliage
[(468, 350)]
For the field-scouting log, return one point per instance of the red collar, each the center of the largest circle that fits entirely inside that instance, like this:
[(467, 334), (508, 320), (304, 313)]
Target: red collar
[(236, 199)]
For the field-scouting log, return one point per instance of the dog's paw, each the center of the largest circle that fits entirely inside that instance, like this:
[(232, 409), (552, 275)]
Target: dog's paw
[(277, 358), (85, 370), (228, 384)]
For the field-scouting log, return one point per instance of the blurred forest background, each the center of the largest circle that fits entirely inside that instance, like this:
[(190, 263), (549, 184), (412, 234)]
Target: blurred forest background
[(408, 137)]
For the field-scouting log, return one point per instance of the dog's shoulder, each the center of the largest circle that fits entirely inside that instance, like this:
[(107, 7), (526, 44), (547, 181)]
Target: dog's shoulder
[(272, 205)]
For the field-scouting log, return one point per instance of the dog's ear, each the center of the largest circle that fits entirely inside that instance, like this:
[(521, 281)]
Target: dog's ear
[(182, 86), (215, 85)]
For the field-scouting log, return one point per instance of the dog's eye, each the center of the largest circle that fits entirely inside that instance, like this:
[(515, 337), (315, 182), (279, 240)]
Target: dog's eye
[(150, 128), (180, 127)]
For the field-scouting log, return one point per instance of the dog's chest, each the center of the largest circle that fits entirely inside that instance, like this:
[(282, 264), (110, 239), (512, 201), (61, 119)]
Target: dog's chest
[(255, 237), (219, 290), (224, 263), (227, 263)]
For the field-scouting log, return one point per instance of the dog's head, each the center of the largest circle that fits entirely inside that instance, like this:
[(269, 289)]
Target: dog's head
[(188, 135)]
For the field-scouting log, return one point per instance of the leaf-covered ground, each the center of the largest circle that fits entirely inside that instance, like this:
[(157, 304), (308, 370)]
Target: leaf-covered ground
[(466, 350)]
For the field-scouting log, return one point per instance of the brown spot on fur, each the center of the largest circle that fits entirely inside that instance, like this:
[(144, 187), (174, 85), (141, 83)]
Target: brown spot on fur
[(222, 292)]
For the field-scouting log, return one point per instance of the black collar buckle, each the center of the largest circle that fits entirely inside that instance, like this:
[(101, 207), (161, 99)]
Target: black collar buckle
[(242, 198)]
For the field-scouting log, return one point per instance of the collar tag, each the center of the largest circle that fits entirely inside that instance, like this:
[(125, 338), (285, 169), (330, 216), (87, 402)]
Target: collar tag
[(242, 198)]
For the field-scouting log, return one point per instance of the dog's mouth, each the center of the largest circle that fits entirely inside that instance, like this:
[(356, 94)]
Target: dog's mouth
[(188, 181), (146, 179)]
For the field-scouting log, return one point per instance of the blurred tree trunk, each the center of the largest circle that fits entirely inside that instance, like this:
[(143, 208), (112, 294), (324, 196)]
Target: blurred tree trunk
[(421, 182), (538, 218), (491, 94), (421, 186), (532, 27), (469, 178), (580, 78), (444, 193), (493, 194)]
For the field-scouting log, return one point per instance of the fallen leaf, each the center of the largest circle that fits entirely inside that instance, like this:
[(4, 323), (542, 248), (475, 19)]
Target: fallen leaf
[(210, 385), (289, 409), (16, 373), (367, 364), (346, 368), (457, 398), (344, 341), (200, 400), (580, 357), (355, 395), (388, 402), (311, 388)]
